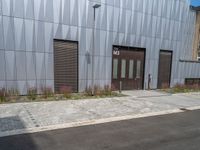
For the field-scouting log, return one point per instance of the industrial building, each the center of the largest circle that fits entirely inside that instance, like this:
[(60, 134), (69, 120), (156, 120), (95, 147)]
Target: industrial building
[(81, 43)]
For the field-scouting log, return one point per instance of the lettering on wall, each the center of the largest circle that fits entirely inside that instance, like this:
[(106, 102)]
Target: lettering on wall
[(116, 51)]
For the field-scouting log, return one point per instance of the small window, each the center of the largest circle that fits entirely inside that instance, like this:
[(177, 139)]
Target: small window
[(196, 81), (189, 81), (198, 57), (138, 73), (123, 69), (131, 68), (115, 68), (192, 81)]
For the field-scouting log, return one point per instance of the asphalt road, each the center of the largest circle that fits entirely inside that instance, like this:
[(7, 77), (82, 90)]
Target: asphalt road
[(179, 131)]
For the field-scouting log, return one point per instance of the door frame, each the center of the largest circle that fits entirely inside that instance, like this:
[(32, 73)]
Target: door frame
[(169, 51), (144, 63)]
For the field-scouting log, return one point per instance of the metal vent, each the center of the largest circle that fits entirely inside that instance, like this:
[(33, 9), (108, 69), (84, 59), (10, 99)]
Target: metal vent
[(65, 64)]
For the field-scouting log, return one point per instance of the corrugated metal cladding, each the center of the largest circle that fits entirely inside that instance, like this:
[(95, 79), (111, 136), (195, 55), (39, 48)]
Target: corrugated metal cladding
[(65, 65), (28, 27)]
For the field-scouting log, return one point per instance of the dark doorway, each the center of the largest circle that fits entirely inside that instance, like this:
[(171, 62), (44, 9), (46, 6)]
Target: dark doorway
[(164, 69), (65, 65), (128, 67)]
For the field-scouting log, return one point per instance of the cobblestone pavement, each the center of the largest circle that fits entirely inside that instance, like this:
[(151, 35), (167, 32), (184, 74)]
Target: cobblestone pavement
[(145, 93), (40, 114)]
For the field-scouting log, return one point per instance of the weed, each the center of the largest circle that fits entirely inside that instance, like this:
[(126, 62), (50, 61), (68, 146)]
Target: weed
[(66, 91), (32, 93), (3, 95), (47, 92)]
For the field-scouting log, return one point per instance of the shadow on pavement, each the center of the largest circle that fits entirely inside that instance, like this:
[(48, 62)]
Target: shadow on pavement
[(15, 143)]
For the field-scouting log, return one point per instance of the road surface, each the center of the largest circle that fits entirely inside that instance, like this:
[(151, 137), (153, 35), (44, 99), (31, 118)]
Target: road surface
[(179, 131)]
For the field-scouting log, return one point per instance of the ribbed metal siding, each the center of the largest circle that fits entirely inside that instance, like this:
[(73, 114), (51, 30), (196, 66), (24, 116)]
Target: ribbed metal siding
[(66, 64)]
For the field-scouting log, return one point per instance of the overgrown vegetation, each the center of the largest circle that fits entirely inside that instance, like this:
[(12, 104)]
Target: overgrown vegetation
[(3, 95), (32, 93), (88, 91), (182, 88), (13, 92), (100, 92), (47, 92), (65, 93)]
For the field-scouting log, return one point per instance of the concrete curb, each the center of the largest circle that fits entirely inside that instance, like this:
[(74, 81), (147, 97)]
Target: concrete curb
[(183, 94), (194, 108), (88, 122), (154, 96)]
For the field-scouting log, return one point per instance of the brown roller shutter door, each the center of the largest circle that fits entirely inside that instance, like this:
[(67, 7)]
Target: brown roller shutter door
[(164, 69), (65, 64)]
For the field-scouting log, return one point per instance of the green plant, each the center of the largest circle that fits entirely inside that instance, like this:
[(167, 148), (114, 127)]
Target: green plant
[(97, 91), (3, 95), (13, 93), (107, 91), (66, 91), (195, 87), (32, 93), (47, 92), (88, 91), (179, 88), (182, 88)]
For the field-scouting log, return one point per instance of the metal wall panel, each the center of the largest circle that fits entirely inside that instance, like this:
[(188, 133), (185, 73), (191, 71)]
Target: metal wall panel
[(29, 9), (31, 26), (1, 33), (19, 32), (31, 65), (21, 65), (0, 7), (8, 28), (30, 35), (10, 65), (2, 66), (18, 8)]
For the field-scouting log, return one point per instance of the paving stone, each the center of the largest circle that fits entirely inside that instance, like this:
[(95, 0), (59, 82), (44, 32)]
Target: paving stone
[(11, 123), (41, 114)]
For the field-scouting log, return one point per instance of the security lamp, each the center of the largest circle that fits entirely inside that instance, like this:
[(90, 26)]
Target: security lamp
[(96, 6)]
